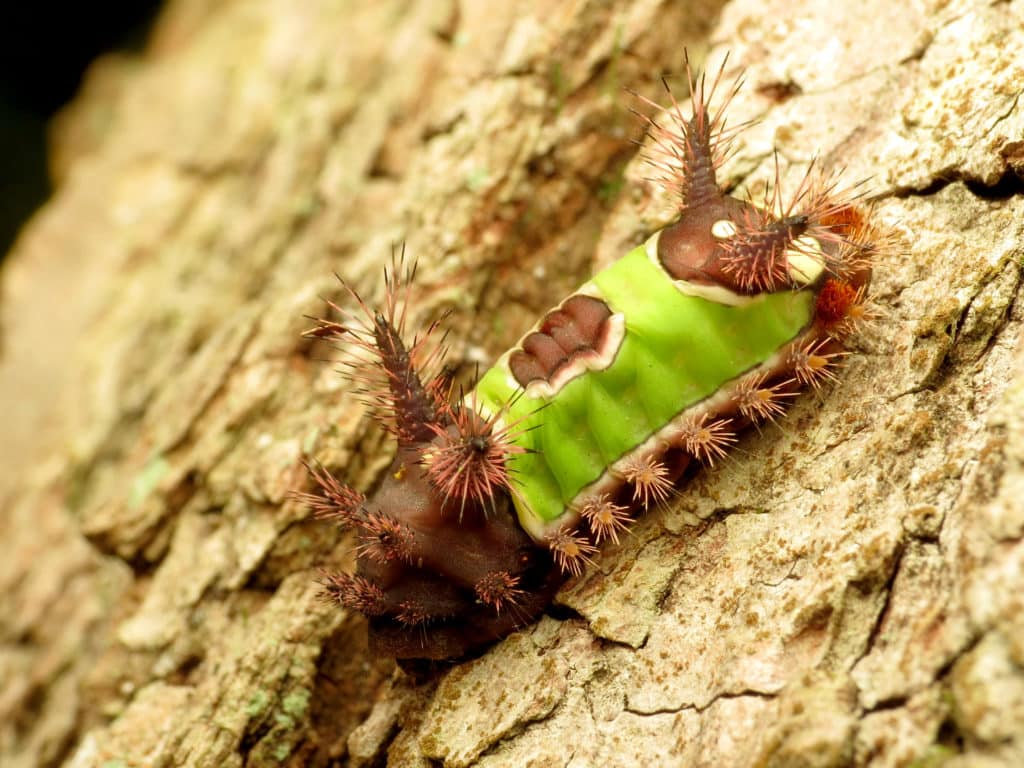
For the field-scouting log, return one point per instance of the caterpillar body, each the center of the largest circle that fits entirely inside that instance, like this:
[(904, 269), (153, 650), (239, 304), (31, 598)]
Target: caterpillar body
[(495, 497)]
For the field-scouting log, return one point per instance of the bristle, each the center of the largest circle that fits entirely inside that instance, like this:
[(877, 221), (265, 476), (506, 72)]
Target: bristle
[(385, 539), (353, 592), (841, 308), (571, 551), (705, 441), (412, 613), (466, 461), (756, 401), (440, 385), (499, 589), (688, 152), (604, 517), (755, 254), (848, 221), (411, 407), (387, 372), (812, 365), (325, 329), (336, 501), (649, 477)]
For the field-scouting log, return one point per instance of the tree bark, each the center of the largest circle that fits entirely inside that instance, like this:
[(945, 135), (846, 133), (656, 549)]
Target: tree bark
[(846, 589)]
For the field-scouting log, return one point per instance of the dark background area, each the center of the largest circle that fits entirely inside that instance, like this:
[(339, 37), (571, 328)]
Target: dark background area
[(45, 48)]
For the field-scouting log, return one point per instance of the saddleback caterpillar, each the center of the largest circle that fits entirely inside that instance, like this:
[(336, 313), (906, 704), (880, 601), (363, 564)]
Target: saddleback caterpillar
[(495, 497)]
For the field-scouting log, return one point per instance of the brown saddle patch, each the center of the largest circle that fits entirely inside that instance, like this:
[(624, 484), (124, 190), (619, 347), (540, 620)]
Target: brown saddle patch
[(567, 332)]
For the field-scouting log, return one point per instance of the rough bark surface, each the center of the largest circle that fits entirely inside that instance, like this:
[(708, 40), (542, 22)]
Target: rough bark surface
[(848, 589)]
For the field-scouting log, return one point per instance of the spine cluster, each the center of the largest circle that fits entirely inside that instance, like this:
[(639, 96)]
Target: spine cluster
[(442, 564)]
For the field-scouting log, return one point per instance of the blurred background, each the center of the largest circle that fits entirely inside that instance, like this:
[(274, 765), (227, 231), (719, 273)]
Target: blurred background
[(45, 47)]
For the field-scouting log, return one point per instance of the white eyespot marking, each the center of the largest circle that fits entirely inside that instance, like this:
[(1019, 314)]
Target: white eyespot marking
[(723, 229), (805, 260)]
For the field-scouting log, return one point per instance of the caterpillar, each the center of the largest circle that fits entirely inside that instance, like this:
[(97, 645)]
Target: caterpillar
[(496, 496)]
